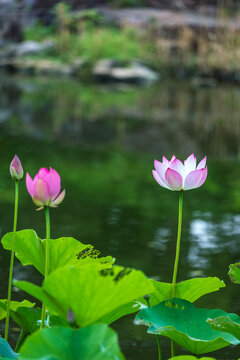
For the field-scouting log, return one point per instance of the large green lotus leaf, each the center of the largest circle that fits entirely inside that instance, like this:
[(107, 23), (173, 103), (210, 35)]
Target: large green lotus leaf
[(234, 273), (96, 342), (14, 305), (189, 357), (187, 325), (30, 250), (89, 291), (226, 324), (190, 290)]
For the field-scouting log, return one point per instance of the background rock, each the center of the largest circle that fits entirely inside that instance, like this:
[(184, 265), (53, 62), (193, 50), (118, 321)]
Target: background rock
[(133, 72)]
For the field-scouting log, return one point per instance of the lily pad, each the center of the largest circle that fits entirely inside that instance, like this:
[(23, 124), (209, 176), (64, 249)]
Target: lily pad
[(187, 325), (89, 291), (234, 273), (226, 324), (96, 342), (30, 250), (14, 305), (190, 290)]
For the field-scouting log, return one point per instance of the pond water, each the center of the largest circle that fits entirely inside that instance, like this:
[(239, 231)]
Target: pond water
[(103, 140)]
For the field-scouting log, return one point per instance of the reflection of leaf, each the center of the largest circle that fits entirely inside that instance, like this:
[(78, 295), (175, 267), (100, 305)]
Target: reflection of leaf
[(234, 273), (187, 325), (30, 250), (190, 290), (6, 351), (91, 292), (96, 342), (189, 357), (225, 324), (14, 305)]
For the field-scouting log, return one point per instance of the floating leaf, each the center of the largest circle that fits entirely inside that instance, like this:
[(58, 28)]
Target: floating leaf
[(189, 357), (187, 325), (6, 351), (30, 250), (190, 290), (226, 324), (96, 342), (234, 273), (14, 305), (89, 291)]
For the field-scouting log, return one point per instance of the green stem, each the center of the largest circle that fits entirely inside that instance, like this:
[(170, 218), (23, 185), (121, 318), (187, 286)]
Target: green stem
[(22, 337), (12, 259), (159, 348), (174, 279), (180, 207), (47, 215), (172, 348)]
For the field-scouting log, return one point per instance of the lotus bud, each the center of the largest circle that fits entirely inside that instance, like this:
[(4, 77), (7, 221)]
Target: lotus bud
[(16, 169), (71, 317)]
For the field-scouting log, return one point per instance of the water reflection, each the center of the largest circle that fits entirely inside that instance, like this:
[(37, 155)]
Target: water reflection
[(207, 238), (156, 118)]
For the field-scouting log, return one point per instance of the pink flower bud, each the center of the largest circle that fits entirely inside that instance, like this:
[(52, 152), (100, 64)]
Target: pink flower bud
[(176, 176), (45, 188), (16, 169)]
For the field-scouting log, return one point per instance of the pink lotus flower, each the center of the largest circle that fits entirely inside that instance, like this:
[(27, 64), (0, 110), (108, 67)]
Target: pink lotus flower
[(16, 170), (45, 188), (176, 176)]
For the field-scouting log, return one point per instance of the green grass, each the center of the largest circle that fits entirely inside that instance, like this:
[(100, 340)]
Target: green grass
[(93, 43), (104, 43)]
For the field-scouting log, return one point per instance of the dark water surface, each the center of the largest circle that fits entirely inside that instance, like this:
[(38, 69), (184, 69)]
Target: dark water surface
[(102, 140)]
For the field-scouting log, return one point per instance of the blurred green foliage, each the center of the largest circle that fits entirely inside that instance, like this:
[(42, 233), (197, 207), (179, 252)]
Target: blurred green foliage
[(128, 3), (38, 32), (89, 34), (80, 34)]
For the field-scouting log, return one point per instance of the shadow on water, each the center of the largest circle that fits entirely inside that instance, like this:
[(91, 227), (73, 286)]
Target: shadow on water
[(103, 140)]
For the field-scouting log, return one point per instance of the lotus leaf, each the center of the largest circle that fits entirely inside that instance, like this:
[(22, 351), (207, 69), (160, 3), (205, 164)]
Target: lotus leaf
[(30, 250), (234, 273), (90, 292), (190, 290), (187, 325), (226, 324), (14, 305)]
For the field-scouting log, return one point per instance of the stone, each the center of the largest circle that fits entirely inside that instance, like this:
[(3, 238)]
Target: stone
[(34, 47), (132, 72), (26, 48)]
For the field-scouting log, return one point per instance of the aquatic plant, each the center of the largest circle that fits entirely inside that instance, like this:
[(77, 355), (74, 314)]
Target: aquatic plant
[(83, 292), (44, 190), (16, 172), (174, 317), (176, 176)]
